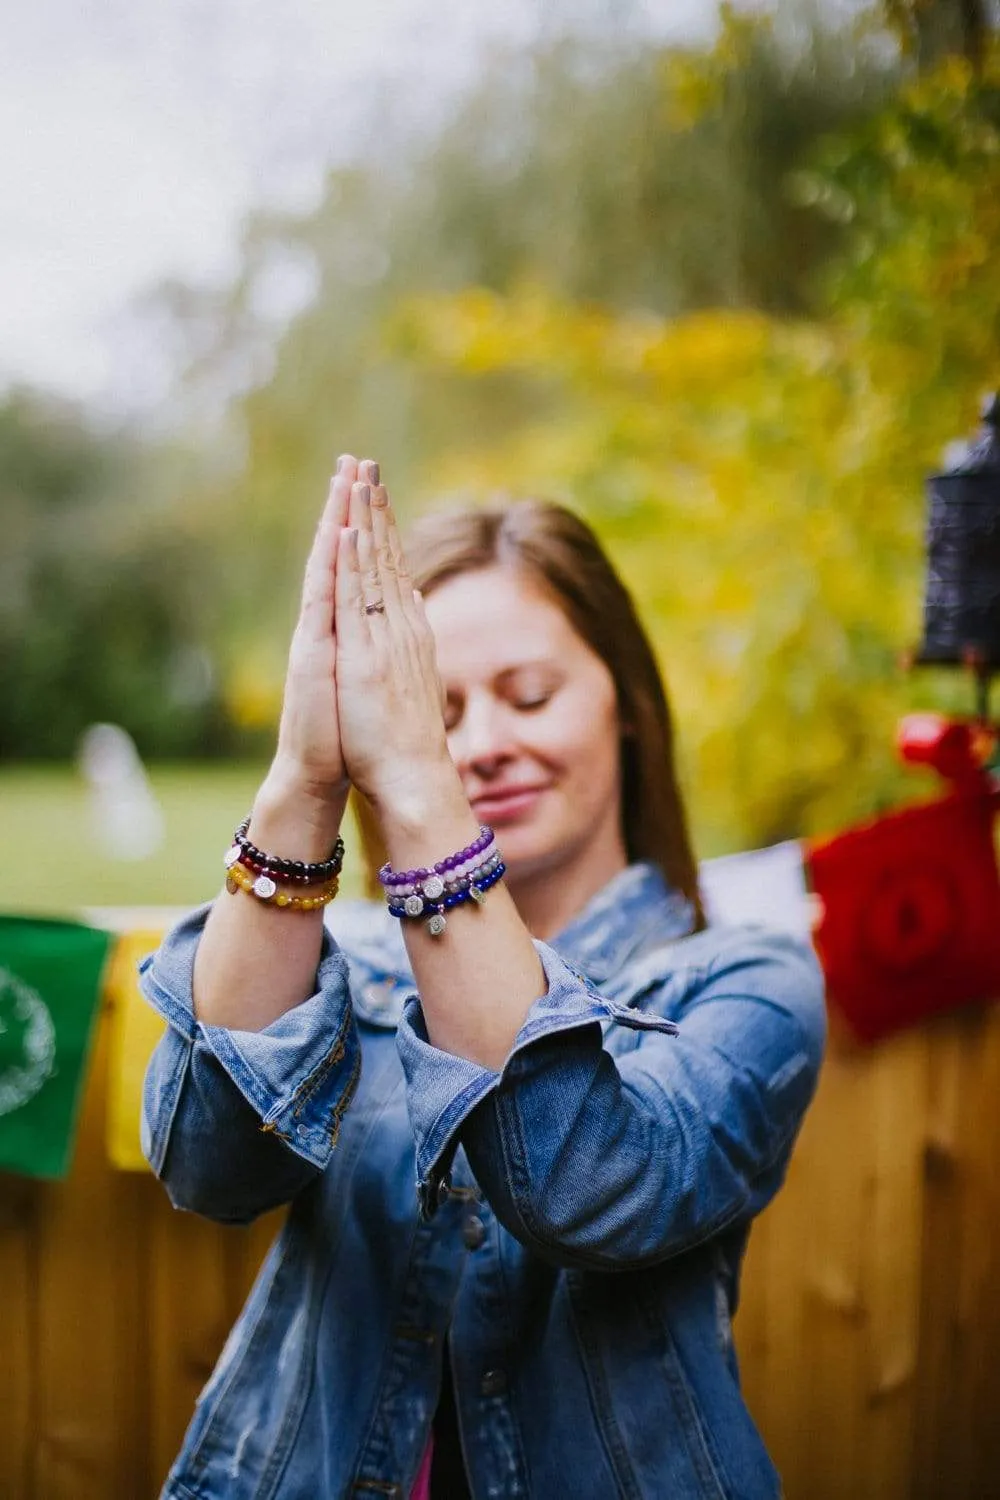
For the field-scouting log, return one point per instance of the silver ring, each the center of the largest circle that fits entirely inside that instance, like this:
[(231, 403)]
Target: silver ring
[(375, 609)]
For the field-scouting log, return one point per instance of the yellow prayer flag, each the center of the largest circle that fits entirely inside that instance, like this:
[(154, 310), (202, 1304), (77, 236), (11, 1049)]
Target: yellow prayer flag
[(135, 1031)]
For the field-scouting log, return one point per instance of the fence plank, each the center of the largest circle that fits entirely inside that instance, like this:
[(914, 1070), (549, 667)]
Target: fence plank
[(938, 1457), (975, 1395), (17, 1334), (88, 1307), (893, 1243)]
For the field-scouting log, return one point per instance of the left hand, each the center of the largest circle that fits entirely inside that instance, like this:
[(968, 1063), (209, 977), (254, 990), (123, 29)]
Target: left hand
[(389, 696)]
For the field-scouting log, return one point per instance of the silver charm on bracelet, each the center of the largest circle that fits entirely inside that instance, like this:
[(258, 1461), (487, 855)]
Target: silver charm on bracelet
[(437, 924)]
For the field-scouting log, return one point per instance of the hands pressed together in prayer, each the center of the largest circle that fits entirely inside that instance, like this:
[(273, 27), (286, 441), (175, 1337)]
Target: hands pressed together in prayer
[(362, 698), (363, 707)]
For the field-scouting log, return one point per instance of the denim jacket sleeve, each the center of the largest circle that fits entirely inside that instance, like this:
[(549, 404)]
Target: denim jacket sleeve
[(236, 1122), (607, 1156)]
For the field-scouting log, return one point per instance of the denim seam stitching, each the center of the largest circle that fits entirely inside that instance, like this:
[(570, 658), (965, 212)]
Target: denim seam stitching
[(310, 1084), (347, 1094)]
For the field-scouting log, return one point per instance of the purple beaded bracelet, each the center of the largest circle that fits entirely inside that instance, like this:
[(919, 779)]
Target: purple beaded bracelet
[(429, 893), (391, 878)]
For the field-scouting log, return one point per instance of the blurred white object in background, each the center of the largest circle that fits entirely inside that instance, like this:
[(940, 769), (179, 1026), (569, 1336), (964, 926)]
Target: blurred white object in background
[(762, 886), (127, 820)]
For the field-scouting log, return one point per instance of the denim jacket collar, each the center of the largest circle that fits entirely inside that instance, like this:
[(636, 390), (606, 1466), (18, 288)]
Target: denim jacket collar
[(635, 912)]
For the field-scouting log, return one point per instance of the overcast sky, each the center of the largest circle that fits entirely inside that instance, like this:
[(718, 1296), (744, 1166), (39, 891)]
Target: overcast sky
[(135, 134)]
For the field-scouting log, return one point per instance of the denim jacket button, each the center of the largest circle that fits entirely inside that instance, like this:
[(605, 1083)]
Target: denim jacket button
[(473, 1232), (493, 1383)]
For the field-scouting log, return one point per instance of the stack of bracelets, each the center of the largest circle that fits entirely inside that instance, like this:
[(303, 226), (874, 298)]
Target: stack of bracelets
[(289, 883), (465, 876)]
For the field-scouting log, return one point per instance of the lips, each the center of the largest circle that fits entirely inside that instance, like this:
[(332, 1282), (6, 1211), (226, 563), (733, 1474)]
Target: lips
[(505, 804)]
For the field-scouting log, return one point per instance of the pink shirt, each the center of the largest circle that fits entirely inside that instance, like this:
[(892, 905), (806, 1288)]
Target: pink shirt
[(422, 1489)]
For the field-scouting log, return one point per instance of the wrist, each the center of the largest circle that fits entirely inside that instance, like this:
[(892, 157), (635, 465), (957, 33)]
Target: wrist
[(295, 819), (421, 819)]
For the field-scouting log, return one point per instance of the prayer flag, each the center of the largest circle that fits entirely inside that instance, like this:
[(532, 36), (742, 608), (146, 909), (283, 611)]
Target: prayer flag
[(50, 988), (910, 921), (135, 1030)]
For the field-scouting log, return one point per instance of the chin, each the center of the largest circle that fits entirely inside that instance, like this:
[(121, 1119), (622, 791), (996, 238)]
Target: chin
[(528, 856)]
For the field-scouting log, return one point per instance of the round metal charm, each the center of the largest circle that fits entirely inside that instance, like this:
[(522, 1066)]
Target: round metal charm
[(436, 925), (434, 887), (413, 906), (264, 887)]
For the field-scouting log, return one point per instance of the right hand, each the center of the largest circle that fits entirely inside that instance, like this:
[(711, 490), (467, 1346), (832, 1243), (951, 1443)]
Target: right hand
[(308, 753)]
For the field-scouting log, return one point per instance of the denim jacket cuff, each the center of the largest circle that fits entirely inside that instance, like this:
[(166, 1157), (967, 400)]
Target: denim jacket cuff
[(298, 1073), (443, 1090)]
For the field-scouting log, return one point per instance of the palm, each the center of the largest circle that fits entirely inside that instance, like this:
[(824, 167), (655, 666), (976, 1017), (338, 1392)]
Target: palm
[(310, 730), (309, 736)]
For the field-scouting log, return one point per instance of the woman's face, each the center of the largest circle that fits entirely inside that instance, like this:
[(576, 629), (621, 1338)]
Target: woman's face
[(533, 726)]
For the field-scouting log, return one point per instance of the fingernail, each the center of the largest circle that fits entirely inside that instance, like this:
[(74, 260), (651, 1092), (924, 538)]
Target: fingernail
[(342, 462), (374, 473)]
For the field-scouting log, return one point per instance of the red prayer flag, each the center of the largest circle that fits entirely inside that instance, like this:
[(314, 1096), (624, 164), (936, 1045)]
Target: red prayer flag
[(910, 922)]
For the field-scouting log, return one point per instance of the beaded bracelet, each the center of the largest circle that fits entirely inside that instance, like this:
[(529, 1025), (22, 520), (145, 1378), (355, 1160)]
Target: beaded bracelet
[(392, 879), (284, 871), (464, 876), (266, 890), (474, 891)]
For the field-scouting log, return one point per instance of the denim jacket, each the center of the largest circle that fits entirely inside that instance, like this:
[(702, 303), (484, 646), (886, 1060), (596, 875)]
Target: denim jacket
[(572, 1225)]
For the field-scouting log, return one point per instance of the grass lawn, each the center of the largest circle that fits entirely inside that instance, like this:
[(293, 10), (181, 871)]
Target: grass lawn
[(51, 862)]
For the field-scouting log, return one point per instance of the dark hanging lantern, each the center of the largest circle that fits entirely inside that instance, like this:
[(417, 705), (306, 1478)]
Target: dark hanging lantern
[(962, 599)]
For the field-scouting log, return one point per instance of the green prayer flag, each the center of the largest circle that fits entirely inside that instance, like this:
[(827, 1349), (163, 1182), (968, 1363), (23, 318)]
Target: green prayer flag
[(50, 989)]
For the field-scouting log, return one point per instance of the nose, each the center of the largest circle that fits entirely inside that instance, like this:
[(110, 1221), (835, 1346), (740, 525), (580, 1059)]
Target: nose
[(481, 743)]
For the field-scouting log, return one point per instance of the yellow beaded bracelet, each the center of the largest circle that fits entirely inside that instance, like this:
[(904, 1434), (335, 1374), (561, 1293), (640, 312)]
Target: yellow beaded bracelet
[(271, 894)]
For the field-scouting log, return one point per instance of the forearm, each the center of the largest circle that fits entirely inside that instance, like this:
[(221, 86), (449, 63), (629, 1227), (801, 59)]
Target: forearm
[(237, 1120), (256, 961), (479, 979)]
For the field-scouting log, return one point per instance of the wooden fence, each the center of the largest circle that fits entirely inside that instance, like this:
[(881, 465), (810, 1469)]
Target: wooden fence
[(869, 1333)]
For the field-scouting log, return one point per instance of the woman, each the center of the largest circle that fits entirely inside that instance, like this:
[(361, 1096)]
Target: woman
[(526, 1072)]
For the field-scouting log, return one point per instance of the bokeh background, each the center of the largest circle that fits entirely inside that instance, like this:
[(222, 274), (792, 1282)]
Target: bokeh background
[(725, 277)]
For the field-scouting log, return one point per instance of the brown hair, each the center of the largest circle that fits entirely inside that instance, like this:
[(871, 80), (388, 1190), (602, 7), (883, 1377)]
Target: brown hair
[(561, 554)]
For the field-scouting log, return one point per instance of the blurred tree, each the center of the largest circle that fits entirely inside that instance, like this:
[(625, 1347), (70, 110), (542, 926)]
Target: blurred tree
[(932, 29), (102, 594), (579, 166)]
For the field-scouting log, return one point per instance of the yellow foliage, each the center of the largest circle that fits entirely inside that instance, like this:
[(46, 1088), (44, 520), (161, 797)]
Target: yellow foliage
[(252, 691), (761, 483)]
